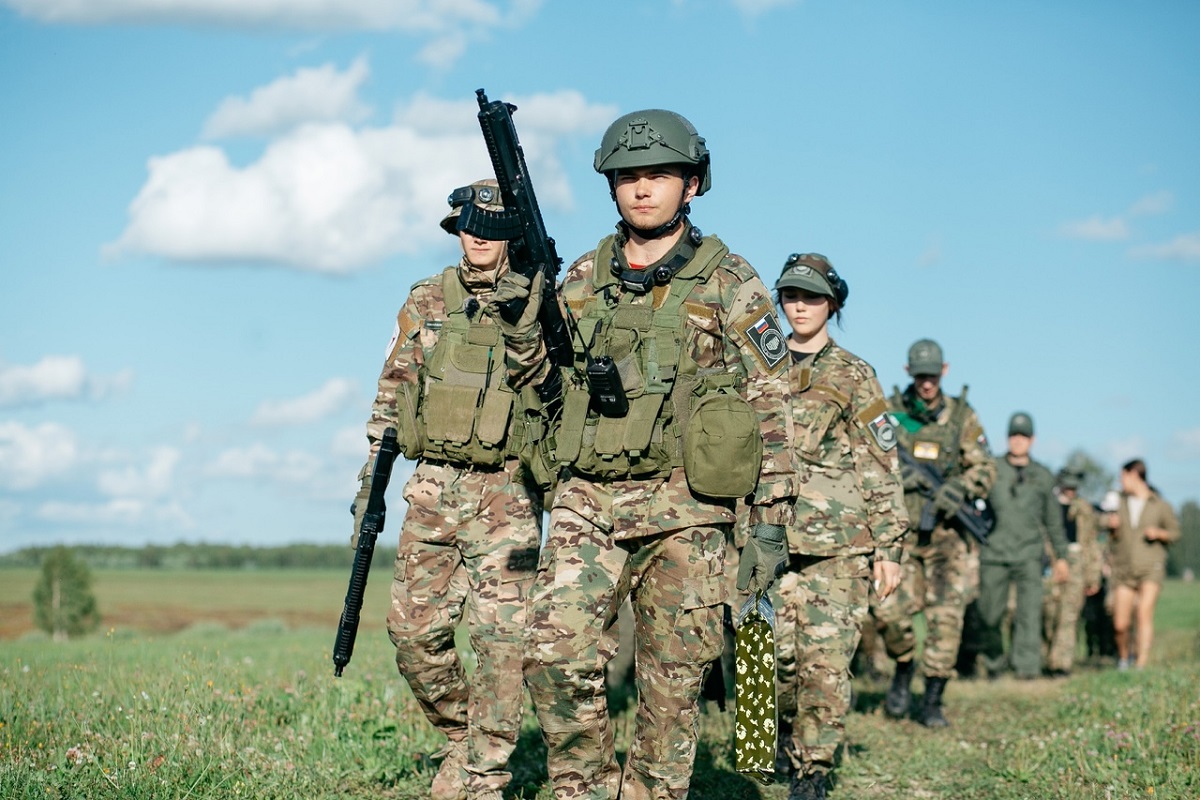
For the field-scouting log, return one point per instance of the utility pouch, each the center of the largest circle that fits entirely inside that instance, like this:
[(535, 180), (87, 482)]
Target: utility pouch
[(409, 435), (455, 417), (722, 446)]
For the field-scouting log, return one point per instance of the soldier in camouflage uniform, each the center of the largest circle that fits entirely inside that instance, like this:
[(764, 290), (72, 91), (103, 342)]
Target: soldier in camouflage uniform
[(849, 529), (1064, 601), (470, 536), (941, 568), (646, 492)]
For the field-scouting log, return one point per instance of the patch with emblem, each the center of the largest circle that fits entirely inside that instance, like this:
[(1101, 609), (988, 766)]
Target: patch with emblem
[(983, 442), (768, 340), (927, 451), (884, 432)]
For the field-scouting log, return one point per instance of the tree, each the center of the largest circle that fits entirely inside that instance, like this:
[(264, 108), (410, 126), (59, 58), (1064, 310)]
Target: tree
[(63, 603), (1095, 479), (1185, 553)]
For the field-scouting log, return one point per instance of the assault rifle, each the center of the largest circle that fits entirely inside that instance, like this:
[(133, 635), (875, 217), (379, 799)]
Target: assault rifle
[(530, 249), (368, 531), (976, 517)]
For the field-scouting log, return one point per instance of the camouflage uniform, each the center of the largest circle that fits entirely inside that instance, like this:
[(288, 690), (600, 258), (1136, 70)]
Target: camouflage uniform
[(941, 569), (849, 511), (1064, 601), (469, 542), (649, 538)]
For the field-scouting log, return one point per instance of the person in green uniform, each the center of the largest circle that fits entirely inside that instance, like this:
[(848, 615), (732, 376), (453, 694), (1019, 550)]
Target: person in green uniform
[(1028, 517)]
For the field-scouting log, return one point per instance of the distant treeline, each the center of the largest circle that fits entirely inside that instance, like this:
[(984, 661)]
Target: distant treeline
[(205, 556)]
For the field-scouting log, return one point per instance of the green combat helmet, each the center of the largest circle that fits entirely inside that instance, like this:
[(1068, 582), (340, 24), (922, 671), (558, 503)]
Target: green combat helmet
[(483, 193), (653, 137)]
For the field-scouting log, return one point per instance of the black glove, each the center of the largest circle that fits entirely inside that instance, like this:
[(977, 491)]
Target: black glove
[(762, 558), (513, 286), (948, 498), (913, 479), (359, 507)]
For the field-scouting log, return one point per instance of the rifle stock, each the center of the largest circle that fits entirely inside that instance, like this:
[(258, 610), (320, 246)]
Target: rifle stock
[(368, 532)]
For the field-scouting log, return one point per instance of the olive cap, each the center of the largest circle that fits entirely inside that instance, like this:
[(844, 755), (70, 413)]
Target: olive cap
[(925, 358), (1020, 424), (806, 271), (483, 193), (650, 138)]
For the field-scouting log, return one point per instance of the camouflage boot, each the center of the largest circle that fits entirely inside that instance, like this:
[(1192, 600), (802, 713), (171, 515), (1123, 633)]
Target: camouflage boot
[(899, 693), (813, 786), (931, 712), (449, 783)]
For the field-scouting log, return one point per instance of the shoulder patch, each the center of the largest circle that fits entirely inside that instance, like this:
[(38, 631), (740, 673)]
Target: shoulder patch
[(876, 419), (882, 430), (766, 339)]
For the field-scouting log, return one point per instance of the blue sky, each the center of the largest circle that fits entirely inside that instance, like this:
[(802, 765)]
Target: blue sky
[(210, 213)]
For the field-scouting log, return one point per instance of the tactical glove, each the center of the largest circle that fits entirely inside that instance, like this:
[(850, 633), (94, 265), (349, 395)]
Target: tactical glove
[(913, 479), (762, 558), (948, 498), (512, 287), (359, 507)]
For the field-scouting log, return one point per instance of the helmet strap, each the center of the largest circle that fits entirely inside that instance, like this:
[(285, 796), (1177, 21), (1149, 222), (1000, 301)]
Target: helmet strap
[(668, 226)]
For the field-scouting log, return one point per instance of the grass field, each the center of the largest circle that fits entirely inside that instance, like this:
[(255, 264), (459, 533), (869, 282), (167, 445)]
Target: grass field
[(218, 684)]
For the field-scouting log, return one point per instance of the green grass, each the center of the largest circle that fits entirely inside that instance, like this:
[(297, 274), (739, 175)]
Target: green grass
[(253, 710)]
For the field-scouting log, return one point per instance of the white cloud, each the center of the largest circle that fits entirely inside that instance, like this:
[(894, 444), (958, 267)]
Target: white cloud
[(1114, 229), (55, 378), (1184, 248), (1096, 229), (150, 481), (1153, 204), (756, 7), (317, 94), (261, 462), (118, 511), (330, 398), (29, 456), (1185, 445), (329, 198), (350, 443), (403, 15)]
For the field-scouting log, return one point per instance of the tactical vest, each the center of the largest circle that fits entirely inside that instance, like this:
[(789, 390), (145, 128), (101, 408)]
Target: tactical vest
[(664, 386), (939, 445), (467, 407)]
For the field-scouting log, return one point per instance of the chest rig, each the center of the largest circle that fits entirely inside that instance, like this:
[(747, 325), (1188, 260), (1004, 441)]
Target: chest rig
[(467, 405), (645, 335), (931, 443)]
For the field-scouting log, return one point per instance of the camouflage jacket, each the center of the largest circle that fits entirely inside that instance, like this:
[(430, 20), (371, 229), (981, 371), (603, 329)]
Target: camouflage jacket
[(849, 501), (1081, 514), (721, 313)]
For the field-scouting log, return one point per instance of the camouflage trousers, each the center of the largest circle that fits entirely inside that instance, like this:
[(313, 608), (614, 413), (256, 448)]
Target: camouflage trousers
[(820, 607), (469, 544), (938, 578), (1061, 606), (675, 582)]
